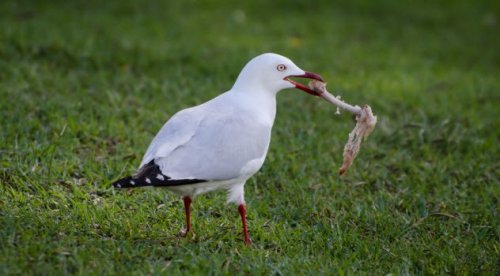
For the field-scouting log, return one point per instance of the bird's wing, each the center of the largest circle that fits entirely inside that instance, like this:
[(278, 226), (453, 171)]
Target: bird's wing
[(175, 132), (210, 144)]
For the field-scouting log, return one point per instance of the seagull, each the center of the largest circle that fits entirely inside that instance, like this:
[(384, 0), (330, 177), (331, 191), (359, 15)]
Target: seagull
[(220, 144)]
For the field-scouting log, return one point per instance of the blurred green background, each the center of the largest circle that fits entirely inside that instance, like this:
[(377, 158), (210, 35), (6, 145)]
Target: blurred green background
[(85, 85)]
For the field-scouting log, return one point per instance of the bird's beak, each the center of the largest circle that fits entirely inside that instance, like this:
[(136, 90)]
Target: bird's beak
[(307, 75)]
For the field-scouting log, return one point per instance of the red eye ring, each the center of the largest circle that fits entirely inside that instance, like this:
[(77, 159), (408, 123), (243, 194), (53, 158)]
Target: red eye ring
[(281, 67)]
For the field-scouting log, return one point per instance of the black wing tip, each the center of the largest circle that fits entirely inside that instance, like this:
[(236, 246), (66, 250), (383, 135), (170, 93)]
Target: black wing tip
[(151, 175), (181, 182), (122, 183), (117, 184)]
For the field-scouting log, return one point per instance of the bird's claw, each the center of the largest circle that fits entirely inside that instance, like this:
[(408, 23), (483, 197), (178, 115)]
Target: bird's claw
[(248, 242), (184, 233)]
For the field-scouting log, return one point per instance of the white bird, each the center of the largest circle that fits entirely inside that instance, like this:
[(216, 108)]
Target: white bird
[(220, 144)]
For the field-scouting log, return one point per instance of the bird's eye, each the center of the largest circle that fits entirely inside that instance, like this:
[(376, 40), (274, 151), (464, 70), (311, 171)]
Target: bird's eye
[(281, 67)]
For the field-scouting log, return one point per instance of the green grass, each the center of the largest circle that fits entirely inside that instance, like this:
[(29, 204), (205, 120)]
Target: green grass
[(85, 85)]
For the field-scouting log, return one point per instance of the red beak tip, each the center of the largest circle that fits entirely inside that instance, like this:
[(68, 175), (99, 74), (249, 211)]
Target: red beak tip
[(307, 75), (315, 76)]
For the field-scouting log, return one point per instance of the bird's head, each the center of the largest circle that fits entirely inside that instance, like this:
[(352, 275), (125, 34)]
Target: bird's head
[(273, 72)]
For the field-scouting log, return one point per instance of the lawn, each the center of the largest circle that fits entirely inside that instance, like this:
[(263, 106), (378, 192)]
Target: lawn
[(85, 85)]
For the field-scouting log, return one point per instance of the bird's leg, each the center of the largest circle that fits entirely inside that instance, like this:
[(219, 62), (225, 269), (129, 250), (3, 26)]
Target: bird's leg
[(243, 213), (187, 203)]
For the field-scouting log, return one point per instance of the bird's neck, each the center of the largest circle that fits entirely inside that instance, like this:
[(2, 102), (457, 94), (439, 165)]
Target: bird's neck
[(260, 102), (244, 84)]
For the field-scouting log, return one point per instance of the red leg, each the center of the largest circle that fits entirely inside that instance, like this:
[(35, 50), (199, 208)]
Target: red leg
[(187, 203), (243, 213)]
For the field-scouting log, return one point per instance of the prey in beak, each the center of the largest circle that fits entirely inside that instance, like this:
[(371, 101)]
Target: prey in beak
[(307, 75)]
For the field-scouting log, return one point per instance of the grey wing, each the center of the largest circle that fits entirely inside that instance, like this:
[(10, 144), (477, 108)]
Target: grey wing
[(175, 133), (223, 146)]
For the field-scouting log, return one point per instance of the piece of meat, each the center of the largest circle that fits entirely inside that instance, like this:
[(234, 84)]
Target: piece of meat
[(365, 123)]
